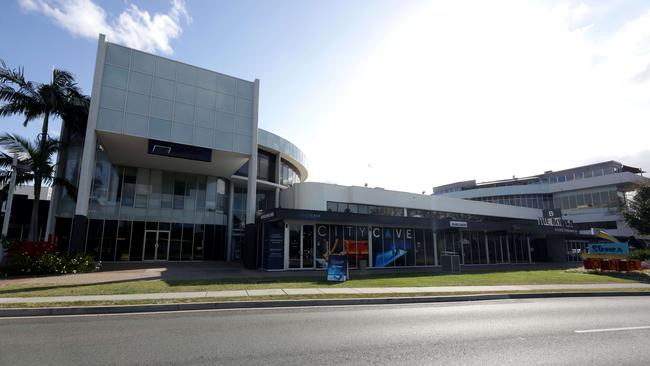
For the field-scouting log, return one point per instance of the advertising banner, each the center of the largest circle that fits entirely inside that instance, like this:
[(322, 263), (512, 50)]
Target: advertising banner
[(607, 250), (273, 245), (337, 268)]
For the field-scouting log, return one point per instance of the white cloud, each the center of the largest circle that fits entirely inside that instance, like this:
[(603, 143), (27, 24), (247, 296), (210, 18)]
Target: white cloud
[(485, 90), (133, 27)]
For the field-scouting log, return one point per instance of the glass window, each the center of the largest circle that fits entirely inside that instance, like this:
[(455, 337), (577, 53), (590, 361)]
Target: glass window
[(179, 194), (322, 245), (137, 240), (580, 199), (175, 242), (201, 192), (142, 188), (108, 243), (94, 238), (331, 206), (307, 246), (604, 199), (572, 202), (188, 237), (211, 194), (123, 241), (294, 246), (198, 242)]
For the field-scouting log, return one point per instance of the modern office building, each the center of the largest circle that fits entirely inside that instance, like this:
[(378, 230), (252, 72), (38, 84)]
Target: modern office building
[(163, 169), (591, 196), (173, 166)]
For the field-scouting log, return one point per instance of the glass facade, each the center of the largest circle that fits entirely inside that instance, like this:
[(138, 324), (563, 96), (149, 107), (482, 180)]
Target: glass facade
[(310, 246), (265, 167), (594, 198), (144, 194), (148, 214), (400, 211), (541, 201), (121, 240), (288, 174), (574, 248)]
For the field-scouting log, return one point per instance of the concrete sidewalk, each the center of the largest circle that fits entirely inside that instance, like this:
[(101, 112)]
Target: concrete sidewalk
[(326, 291)]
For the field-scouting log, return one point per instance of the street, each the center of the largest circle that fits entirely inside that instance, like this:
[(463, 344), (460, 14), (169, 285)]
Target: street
[(572, 331)]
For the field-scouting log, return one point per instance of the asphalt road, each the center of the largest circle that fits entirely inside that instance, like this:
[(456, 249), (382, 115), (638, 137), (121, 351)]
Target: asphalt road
[(575, 331)]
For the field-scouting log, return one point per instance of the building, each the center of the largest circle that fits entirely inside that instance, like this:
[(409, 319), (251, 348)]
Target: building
[(591, 196), (173, 167), (22, 211), (163, 169)]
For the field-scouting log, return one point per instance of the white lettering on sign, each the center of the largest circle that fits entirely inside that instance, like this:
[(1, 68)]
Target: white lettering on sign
[(462, 224)]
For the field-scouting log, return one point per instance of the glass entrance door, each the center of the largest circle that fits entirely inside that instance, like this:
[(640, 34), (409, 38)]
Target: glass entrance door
[(156, 245)]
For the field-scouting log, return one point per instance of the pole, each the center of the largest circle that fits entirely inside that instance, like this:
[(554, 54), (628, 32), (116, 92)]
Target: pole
[(10, 199)]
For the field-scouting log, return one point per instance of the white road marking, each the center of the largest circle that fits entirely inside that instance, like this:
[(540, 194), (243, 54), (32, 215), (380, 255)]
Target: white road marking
[(612, 329)]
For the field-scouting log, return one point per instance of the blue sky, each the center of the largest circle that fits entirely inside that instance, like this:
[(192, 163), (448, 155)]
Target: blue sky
[(398, 94)]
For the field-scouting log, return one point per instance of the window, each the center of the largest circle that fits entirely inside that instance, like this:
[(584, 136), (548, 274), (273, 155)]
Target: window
[(128, 187), (179, 194)]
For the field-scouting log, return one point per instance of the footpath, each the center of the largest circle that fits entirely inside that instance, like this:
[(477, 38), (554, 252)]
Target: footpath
[(322, 292)]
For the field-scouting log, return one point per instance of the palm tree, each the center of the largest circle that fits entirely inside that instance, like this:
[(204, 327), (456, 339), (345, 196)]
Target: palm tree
[(37, 159), (33, 100)]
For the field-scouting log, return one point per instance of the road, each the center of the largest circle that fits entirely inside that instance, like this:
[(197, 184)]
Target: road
[(574, 331)]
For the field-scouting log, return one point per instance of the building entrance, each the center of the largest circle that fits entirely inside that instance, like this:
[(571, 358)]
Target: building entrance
[(156, 245)]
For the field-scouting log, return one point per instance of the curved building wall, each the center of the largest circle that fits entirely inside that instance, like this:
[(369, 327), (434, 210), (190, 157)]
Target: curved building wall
[(289, 151)]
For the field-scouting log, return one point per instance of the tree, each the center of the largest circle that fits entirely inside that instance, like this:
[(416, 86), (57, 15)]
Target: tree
[(35, 101), (37, 159), (637, 213)]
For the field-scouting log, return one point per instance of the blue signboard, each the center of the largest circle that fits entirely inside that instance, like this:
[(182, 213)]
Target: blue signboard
[(337, 268), (273, 246), (608, 249)]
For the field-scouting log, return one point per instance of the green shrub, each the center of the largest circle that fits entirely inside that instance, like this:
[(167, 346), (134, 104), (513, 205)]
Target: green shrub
[(50, 263), (640, 254)]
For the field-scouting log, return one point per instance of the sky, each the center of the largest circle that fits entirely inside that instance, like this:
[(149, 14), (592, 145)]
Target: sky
[(403, 95)]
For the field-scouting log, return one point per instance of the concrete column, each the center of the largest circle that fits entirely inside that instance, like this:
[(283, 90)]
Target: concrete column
[(508, 247), (462, 250), (487, 249), (252, 162), (501, 247), (79, 223), (249, 251), (528, 244), (231, 217), (435, 248)]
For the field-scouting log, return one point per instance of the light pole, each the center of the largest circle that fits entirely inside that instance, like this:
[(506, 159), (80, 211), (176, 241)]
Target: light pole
[(10, 199)]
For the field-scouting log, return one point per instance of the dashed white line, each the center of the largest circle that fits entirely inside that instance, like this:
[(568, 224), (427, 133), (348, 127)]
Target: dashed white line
[(612, 329)]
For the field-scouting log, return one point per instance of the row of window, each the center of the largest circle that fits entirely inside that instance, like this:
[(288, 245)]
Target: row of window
[(398, 211), (550, 178), (266, 169), (539, 201), (588, 200), (113, 240), (156, 189), (581, 174), (311, 245)]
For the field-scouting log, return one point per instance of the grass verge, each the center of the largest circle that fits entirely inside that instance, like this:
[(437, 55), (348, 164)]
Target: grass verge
[(511, 277)]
